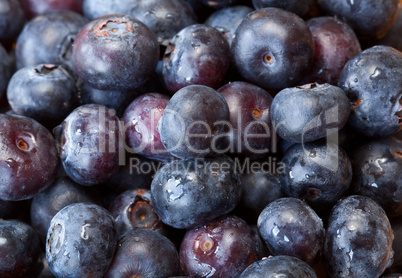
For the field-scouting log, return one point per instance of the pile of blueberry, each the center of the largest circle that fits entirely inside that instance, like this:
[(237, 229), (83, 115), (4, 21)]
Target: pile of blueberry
[(200, 138)]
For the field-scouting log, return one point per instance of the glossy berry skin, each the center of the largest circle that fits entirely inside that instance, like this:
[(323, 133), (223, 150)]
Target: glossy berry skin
[(194, 122), (141, 119), (48, 39), (276, 266), (12, 19), (134, 209), (46, 93), (301, 8), (198, 54), (81, 241), (186, 193), (369, 19), (335, 44), (28, 161), (372, 81), (205, 250), (164, 17), (115, 52), (34, 8), (359, 239), (290, 227), (250, 117), (325, 110), (19, 250), (377, 174), (226, 20), (268, 60), (89, 140), (62, 193), (317, 172), (144, 253)]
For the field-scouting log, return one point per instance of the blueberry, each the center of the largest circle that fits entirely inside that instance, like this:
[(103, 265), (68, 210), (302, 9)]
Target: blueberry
[(144, 253), (335, 44), (377, 174), (359, 239), (46, 93), (290, 227), (115, 52), (222, 247), (277, 266), (317, 172), (12, 19), (29, 160), (141, 119), (326, 110), (195, 122), (270, 60), (34, 8), (372, 81), (81, 241), (198, 54), (134, 209), (90, 143), (63, 192), (226, 20), (188, 192), (369, 19), (164, 17), (48, 39), (19, 249), (301, 8)]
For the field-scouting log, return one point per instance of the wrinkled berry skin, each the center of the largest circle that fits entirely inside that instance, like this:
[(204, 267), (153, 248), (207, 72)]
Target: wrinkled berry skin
[(46, 93), (19, 250), (250, 117), (81, 241), (377, 173), (194, 122), (372, 81), (141, 119), (290, 227), (268, 60), (276, 266), (325, 110), (226, 20), (198, 54), (134, 209), (335, 44), (115, 52), (206, 252), (359, 239), (63, 192), (144, 253), (186, 193), (370, 18), (317, 172), (28, 161), (164, 17), (90, 141), (48, 39), (298, 7)]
